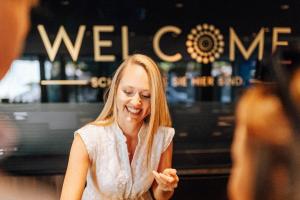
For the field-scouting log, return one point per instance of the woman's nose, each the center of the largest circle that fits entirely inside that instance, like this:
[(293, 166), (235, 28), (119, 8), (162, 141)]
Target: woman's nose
[(136, 100)]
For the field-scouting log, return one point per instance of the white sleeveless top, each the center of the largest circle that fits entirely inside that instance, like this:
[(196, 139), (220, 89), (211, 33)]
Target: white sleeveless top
[(111, 176)]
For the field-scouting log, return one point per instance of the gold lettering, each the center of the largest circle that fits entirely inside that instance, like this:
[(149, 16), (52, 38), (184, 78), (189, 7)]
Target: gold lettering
[(221, 81), (156, 41), (230, 81), (276, 31), (102, 81), (102, 43), (202, 81), (179, 81), (124, 42), (239, 81), (94, 82), (62, 36), (233, 39), (210, 81)]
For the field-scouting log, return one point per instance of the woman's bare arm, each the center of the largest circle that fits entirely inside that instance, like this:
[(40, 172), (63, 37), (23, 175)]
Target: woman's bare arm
[(165, 177), (76, 173)]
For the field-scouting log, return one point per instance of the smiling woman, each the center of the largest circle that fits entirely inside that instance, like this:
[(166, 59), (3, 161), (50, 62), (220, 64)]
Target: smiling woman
[(110, 152), (133, 95)]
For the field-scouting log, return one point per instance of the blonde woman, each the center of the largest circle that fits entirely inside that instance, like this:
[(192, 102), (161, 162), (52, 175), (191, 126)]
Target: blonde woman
[(127, 150)]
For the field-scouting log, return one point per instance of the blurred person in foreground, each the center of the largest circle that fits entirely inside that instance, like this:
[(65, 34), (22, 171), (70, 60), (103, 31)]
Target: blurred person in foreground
[(266, 147), (14, 25)]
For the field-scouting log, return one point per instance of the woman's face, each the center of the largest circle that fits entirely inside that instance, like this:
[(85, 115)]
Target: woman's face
[(133, 95), (241, 177)]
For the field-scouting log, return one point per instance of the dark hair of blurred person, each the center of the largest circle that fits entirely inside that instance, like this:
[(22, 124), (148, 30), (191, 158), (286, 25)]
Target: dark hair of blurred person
[(266, 146)]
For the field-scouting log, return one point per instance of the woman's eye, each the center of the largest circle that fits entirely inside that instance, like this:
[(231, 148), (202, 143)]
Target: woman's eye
[(146, 96), (128, 92)]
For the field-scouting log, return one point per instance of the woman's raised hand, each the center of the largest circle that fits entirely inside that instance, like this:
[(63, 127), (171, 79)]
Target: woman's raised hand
[(167, 180)]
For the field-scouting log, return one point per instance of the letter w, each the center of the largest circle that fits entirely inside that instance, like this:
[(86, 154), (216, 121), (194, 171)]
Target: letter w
[(62, 36)]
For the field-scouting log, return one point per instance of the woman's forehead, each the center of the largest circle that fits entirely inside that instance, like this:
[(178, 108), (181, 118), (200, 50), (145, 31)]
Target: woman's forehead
[(135, 76)]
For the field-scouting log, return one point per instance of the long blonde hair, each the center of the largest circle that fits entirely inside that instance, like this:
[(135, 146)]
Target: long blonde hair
[(159, 113)]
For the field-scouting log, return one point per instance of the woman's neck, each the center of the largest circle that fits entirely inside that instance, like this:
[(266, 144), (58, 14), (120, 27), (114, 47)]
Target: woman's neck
[(130, 129)]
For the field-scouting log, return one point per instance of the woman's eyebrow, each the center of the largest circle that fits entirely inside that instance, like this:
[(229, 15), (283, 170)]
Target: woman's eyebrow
[(140, 89)]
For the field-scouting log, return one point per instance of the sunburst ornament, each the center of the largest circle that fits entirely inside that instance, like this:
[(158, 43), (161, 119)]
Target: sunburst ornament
[(205, 43)]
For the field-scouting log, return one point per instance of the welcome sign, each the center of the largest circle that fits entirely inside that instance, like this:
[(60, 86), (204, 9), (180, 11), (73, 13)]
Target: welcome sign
[(205, 43)]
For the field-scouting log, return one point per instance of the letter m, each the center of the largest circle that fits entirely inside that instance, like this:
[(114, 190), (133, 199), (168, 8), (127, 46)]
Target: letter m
[(259, 40)]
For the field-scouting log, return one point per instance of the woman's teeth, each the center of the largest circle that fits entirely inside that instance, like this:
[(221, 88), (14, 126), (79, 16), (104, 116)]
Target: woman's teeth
[(133, 110)]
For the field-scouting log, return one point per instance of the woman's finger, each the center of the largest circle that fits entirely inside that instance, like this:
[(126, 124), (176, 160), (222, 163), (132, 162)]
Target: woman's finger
[(170, 171), (167, 178), (165, 181), (158, 178)]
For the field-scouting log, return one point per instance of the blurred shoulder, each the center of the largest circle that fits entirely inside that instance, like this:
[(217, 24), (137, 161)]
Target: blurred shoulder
[(166, 130)]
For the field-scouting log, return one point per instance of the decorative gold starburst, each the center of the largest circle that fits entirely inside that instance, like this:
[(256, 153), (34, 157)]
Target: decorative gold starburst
[(205, 43)]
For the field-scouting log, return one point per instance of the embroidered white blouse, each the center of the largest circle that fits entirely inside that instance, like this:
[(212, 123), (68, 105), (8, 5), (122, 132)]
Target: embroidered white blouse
[(111, 176)]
